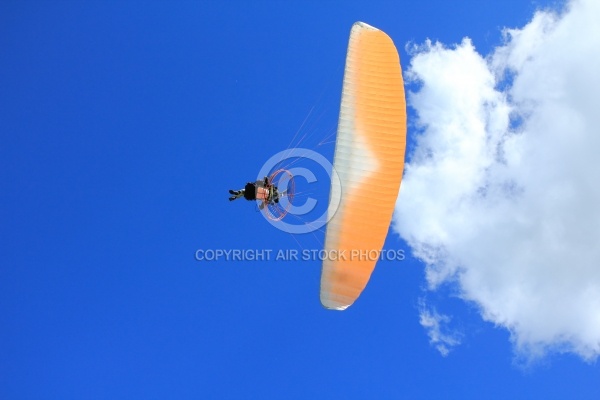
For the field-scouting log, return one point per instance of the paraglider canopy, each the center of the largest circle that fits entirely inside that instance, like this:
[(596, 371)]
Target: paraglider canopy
[(369, 158)]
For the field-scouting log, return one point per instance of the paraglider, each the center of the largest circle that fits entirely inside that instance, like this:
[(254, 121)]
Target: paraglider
[(369, 160), (259, 190), (267, 193)]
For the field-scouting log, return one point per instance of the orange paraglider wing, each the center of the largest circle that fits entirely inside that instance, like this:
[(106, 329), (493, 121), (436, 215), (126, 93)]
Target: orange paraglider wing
[(369, 159)]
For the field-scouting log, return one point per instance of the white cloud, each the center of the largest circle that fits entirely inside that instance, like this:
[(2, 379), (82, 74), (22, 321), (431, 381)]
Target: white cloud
[(501, 196), (436, 325)]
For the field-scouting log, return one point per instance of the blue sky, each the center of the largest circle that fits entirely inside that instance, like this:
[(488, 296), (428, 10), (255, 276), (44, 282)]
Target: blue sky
[(123, 125)]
